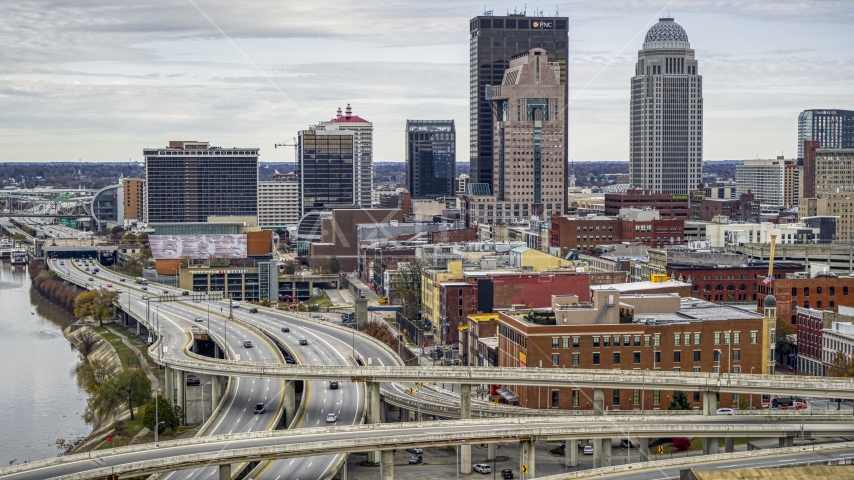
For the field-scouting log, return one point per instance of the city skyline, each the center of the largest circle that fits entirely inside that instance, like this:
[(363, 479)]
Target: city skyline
[(141, 72)]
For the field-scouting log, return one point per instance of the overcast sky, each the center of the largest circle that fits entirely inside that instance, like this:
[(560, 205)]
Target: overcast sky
[(99, 80)]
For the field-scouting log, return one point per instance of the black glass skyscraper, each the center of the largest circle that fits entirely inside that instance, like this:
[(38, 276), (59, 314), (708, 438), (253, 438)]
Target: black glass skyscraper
[(494, 40), (326, 169), (430, 158), (831, 128)]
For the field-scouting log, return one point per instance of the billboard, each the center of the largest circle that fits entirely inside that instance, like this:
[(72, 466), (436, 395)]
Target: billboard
[(197, 247)]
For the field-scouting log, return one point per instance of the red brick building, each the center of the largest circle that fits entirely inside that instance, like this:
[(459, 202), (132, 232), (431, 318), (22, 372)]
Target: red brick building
[(669, 206), (485, 292), (728, 283), (584, 234), (822, 292), (459, 235), (739, 209), (708, 338), (810, 147)]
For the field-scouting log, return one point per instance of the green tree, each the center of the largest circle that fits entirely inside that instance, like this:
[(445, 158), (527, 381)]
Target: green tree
[(18, 237), (334, 265), (785, 343), (841, 365), (129, 388), (95, 303), (130, 238), (290, 269), (743, 404), (163, 413), (92, 373), (679, 402)]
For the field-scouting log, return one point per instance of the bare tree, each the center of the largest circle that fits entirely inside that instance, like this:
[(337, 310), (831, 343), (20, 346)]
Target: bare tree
[(87, 341)]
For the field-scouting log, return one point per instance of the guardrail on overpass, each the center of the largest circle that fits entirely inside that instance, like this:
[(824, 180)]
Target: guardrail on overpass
[(259, 446)]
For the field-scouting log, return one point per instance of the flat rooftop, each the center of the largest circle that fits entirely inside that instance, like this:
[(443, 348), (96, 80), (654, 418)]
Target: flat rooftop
[(634, 286)]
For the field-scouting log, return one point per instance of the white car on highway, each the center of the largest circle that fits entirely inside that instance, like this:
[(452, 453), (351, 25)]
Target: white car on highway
[(331, 418)]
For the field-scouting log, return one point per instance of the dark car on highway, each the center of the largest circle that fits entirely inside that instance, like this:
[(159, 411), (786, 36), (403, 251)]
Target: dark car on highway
[(333, 385), (286, 329), (507, 473), (303, 342), (260, 408), (416, 450), (415, 459), (253, 310)]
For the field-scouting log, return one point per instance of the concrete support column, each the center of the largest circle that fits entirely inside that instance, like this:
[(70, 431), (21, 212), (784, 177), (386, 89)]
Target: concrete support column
[(729, 445), (387, 465), (784, 442), (169, 376), (710, 446), (490, 451), (342, 472), (404, 415), (216, 391), (181, 390), (599, 401), (527, 456), (290, 402), (138, 329), (374, 417), (710, 405), (570, 453), (644, 449), (465, 414), (225, 472), (601, 452)]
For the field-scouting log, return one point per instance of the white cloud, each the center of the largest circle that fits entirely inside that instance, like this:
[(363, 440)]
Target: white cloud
[(100, 80)]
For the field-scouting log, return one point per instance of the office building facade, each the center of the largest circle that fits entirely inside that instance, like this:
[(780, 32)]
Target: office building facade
[(327, 169), (772, 182), (134, 193), (666, 125), (363, 151), (529, 169), (431, 159), (191, 181), (830, 128), (278, 202), (493, 42)]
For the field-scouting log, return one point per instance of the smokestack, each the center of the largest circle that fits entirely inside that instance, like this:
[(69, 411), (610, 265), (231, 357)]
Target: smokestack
[(339, 113), (349, 112)]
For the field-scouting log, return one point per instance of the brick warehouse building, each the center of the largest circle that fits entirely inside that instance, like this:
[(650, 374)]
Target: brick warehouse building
[(484, 292), (585, 233), (648, 332), (822, 292), (670, 206), (728, 283)]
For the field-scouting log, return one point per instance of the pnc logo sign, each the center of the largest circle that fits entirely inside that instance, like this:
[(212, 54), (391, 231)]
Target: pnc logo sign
[(542, 24)]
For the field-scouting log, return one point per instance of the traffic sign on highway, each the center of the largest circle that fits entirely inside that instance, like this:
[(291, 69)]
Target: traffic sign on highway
[(411, 391), (660, 450), (524, 468)]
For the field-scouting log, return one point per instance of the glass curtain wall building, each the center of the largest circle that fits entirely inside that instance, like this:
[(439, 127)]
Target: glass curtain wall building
[(493, 41), (830, 128), (191, 181), (327, 172), (431, 160)]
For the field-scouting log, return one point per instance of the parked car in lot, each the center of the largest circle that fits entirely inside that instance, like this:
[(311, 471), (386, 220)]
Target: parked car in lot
[(253, 310), (416, 450), (331, 418), (588, 450), (303, 342), (260, 408), (247, 344), (507, 473), (333, 385), (725, 411), (482, 468), (415, 459)]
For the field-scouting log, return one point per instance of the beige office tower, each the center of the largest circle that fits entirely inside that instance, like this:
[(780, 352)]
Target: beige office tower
[(666, 124), (363, 149), (529, 167)]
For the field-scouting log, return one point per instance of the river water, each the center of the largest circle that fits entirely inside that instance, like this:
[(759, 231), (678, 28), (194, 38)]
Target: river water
[(39, 398)]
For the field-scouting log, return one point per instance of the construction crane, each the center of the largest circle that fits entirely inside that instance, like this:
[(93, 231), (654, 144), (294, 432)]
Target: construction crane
[(291, 143)]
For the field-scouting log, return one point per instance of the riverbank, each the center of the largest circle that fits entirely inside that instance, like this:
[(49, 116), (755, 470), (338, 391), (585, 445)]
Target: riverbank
[(51, 287)]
